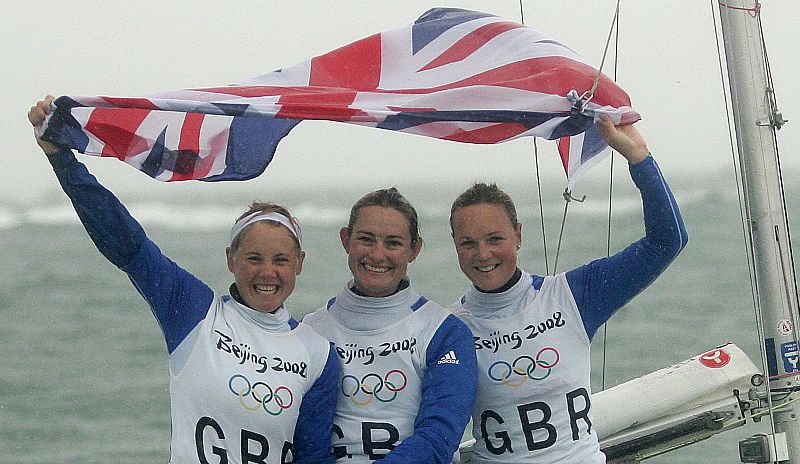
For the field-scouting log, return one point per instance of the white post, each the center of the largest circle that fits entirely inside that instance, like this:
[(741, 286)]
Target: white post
[(764, 202)]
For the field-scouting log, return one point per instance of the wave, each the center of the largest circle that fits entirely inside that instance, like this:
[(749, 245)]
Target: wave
[(171, 216), (333, 209)]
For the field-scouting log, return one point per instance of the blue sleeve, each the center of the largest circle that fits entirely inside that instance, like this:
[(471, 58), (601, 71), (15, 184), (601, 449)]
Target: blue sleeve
[(112, 229), (178, 299), (312, 434), (605, 285), (448, 395)]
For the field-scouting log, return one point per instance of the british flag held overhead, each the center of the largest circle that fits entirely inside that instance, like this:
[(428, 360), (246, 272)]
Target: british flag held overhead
[(454, 74)]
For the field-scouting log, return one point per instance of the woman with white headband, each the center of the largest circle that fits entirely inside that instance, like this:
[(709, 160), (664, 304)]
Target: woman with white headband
[(248, 383)]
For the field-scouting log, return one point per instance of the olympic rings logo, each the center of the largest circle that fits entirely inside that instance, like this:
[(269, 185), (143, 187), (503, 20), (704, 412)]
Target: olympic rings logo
[(373, 386), (261, 394), (525, 367)]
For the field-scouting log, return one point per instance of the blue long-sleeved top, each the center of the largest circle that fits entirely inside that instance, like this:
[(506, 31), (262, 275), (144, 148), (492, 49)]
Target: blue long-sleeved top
[(606, 284), (205, 337)]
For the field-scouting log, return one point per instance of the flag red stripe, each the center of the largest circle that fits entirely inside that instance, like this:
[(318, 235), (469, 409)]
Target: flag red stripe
[(556, 75), (247, 91), (491, 134), (563, 151), (142, 103), (190, 132), (356, 66), (470, 43), (188, 147), (333, 105), (116, 127), (404, 109), (217, 145)]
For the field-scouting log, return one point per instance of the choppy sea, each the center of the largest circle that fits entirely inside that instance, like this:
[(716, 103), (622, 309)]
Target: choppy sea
[(83, 367)]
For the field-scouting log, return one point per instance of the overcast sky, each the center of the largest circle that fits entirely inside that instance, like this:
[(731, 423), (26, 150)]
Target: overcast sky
[(667, 63)]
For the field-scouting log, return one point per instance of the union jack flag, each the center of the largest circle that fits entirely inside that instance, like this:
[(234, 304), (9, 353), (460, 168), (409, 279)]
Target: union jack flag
[(453, 74)]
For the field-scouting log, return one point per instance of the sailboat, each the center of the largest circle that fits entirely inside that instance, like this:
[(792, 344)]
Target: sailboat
[(722, 389)]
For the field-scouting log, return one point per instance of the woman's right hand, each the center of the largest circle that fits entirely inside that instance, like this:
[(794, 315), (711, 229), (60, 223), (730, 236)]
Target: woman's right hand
[(36, 116)]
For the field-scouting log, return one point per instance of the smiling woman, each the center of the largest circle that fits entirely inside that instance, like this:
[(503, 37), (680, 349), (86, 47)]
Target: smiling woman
[(247, 382), (533, 333), (380, 243), (489, 236), (265, 256), (408, 377)]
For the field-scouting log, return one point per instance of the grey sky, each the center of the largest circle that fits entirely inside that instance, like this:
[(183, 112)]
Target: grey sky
[(667, 63)]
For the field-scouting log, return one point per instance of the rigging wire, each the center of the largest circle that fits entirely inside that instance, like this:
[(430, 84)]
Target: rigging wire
[(561, 231), (541, 203), (589, 94), (585, 98), (610, 198), (538, 177)]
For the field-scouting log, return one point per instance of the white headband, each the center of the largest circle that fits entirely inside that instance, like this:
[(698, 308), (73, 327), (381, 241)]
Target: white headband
[(262, 216)]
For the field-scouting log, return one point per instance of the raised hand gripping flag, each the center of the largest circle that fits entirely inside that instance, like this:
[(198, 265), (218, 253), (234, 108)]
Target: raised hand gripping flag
[(454, 74)]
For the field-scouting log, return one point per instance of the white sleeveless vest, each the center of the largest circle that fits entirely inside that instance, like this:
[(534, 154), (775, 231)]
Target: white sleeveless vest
[(534, 389), (382, 370), (228, 363)]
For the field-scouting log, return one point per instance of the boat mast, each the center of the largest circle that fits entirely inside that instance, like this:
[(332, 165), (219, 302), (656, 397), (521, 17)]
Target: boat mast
[(755, 120)]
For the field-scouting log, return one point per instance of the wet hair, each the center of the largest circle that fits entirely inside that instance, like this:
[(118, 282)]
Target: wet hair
[(388, 198), (484, 193), (267, 207)]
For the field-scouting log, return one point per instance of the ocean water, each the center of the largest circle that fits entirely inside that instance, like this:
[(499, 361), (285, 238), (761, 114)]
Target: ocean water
[(83, 368)]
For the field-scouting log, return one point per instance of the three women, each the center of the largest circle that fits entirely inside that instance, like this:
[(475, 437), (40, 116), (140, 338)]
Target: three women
[(409, 373)]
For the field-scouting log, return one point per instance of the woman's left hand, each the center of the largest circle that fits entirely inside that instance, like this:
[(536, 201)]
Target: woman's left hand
[(625, 139)]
